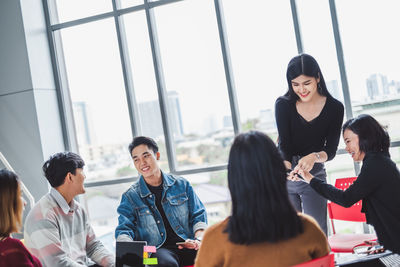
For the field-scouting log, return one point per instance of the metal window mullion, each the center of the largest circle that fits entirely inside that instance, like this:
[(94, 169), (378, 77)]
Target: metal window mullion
[(340, 58), (296, 25), (161, 88), (81, 21), (230, 82), (342, 68), (61, 83), (127, 73), (116, 12)]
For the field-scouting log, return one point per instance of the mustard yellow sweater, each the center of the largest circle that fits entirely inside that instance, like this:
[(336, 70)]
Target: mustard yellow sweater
[(216, 249)]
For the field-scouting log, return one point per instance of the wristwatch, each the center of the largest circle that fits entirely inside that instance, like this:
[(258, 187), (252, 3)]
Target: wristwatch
[(198, 238)]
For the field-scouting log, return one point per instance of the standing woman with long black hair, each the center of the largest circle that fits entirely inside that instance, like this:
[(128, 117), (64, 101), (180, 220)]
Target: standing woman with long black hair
[(309, 120)]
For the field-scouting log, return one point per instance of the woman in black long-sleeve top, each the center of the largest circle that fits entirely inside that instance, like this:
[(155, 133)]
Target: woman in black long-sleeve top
[(378, 184), (309, 120)]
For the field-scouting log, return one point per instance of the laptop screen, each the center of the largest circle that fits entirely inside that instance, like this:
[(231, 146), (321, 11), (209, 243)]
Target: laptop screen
[(129, 254)]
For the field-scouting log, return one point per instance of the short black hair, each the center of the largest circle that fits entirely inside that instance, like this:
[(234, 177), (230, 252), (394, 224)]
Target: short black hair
[(59, 165), (304, 64), (143, 140), (372, 137), (261, 209)]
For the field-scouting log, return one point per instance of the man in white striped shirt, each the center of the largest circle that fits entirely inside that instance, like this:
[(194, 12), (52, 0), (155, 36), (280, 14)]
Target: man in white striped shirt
[(57, 229)]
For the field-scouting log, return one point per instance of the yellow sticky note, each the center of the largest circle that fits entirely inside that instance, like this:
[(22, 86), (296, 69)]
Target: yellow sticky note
[(150, 261), (145, 255)]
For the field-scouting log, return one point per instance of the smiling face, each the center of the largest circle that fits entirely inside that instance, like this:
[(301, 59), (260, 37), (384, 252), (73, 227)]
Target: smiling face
[(305, 87), (352, 145), (146, 161)]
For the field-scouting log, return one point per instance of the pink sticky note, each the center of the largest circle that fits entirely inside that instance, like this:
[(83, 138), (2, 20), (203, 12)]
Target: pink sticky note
[(151, 249)]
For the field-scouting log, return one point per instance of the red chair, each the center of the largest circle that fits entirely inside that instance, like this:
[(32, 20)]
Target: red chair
[(344, 243), (325, 261)]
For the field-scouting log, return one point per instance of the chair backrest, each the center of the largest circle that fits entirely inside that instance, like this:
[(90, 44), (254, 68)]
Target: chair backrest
[(352, 213), (337, 212), (325, 261)]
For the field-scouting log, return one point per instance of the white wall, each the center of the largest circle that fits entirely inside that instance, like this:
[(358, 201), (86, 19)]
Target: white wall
[(30, 127)]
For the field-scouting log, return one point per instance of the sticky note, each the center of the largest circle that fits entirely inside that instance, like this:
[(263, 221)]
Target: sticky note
[(145, 255), (151, 249), (150, 261)]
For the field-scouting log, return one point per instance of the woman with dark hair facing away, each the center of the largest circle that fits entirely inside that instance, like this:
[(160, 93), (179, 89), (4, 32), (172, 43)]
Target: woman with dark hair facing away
[(377, 185), (12, 251), (309, 121), (264, 228)]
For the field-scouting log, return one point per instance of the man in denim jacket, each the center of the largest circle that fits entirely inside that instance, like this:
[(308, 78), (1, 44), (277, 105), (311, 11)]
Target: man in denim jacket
[(161, 209)]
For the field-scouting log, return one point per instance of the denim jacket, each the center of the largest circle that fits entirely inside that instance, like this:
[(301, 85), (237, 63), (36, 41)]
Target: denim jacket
[(139, 218)]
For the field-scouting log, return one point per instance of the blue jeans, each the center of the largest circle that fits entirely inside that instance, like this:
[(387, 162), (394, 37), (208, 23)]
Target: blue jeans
[(305, 199)]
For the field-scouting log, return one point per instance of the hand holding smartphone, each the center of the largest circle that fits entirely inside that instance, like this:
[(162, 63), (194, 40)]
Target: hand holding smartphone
[(189, 244), (369, 249)]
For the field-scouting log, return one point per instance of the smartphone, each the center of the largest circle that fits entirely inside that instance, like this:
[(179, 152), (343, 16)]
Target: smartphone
[(366, 249), (288, 171), (186, 244)]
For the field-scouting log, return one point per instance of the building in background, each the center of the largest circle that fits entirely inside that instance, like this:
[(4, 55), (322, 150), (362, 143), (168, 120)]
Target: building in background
[(377, 86), (152, 126), (334, 90), (83, 123)]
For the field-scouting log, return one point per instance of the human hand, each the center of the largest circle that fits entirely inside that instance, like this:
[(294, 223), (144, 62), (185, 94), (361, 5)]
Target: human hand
[(189, 244), (369, 250), (288, 165), (307, 177), (375, 247), (306, 163)]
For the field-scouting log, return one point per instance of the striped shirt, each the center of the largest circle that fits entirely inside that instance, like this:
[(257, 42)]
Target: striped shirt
[(60, 235)]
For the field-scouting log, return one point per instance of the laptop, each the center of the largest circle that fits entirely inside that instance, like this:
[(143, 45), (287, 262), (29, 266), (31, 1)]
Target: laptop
[(129, 254)]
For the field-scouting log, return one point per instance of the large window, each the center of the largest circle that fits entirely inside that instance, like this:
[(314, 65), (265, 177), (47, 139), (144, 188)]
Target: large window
[(194, 73), (98, 98), (66, 10), (371, 49), (144, 82), (260, 52), (195, 82)]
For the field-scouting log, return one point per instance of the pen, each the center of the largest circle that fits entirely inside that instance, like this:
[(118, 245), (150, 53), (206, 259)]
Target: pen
[(298, 175)]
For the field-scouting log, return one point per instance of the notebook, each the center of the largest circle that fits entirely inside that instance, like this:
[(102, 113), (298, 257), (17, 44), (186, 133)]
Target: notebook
[(129, 253)]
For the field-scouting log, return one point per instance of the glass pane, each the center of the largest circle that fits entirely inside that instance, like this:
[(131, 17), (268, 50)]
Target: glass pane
[(67, 10), (341, 166), (99, 102), (101, 204), (259, 61), (371, 50), (195, 81), (130, 3), (144, 81), (318, 41), (395, 154), (212, 189)]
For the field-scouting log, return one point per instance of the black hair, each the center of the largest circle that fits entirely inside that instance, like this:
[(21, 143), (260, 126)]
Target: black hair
[(261, 209), (143, 140), (57, 167), (372, 137), (304, 64)]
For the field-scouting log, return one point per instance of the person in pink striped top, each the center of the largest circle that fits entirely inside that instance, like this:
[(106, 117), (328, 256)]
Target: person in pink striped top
[(57, 229)]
